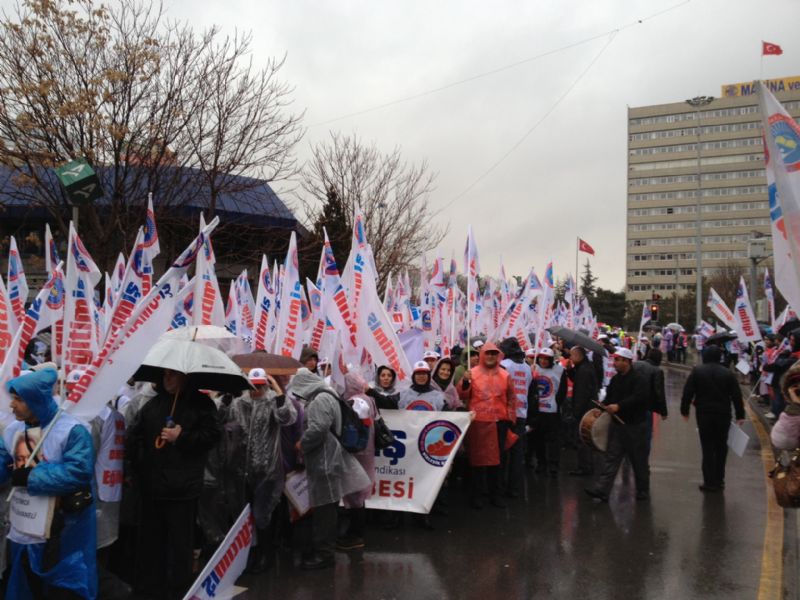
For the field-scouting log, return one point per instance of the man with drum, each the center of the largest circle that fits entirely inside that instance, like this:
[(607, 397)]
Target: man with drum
[(628, 401)]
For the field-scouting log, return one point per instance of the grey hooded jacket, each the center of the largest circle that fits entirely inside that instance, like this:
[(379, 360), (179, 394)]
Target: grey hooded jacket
[(332, 471)]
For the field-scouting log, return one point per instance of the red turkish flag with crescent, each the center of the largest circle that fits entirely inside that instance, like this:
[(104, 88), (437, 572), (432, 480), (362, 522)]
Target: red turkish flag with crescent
[(770, 48), (584, 247)]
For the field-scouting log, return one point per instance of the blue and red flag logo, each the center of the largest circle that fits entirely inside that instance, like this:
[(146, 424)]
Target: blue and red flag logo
[(786, 134)]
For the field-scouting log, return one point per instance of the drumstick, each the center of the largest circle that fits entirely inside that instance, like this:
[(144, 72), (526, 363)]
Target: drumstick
[(605, 408)]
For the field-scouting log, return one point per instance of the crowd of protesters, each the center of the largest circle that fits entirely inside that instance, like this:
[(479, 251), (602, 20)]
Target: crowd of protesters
[(165, 469)]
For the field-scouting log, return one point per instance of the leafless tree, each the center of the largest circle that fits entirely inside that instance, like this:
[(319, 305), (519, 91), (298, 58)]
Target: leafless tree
[(154, 105), (725, 280), (393, 194)]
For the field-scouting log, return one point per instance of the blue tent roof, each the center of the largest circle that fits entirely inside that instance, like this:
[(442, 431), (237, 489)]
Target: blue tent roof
[(246, 199)]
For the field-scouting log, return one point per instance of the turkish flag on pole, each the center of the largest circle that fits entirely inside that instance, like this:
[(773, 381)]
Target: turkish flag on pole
[(584, 247), (769, 48)]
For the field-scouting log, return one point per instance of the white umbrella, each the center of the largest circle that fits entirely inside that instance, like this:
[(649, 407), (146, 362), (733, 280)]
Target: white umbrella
[(210, 335), (207, 367)]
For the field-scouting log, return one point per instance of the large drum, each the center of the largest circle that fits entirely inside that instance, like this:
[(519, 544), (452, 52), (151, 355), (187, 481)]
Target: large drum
[(594, 429)]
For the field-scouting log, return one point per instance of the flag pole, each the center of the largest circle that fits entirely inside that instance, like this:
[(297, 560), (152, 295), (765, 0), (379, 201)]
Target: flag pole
[(577, 250), (469, 295)]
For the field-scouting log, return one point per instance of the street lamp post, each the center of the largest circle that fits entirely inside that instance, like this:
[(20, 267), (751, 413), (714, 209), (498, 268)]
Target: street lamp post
[(697, 103)]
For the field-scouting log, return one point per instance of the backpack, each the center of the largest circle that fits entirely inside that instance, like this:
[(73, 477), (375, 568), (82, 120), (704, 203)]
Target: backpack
[(355, 434)]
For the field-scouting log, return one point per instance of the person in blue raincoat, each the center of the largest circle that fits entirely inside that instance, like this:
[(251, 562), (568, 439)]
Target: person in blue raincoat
[(64, 565)]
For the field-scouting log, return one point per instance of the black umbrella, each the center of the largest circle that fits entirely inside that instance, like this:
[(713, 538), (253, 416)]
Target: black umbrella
[(576, 338), (721, 337), (789, 326)]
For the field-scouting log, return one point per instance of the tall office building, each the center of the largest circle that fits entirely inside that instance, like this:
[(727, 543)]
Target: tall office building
[(683, 155)]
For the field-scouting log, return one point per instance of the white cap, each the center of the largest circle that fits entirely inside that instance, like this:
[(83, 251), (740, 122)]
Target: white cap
[(431, 354), (602, 336), (257, 376), (624, 353), (531, 352), (421, 365), (324, 361), (546, 352), (477, 344)]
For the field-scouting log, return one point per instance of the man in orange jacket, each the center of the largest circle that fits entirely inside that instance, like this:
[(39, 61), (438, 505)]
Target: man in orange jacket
[(488, 392)]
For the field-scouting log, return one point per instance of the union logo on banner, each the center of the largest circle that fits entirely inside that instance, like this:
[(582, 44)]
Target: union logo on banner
[(786, 134), (81, 255), (55, 299), (437, 440)]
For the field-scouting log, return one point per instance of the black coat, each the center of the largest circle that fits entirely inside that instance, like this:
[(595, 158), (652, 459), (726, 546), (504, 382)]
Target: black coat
[(658, 398), (175, 471), (714, 389), (584, 387), (632, 392)]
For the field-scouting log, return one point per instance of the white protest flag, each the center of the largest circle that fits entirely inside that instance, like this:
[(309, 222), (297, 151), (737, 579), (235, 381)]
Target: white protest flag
[(232, 310), (228, 562), (782, 162), (264, 306), (208, 308), (721, 310), (289, 341), (748, 326), (246, 306), (122, 354), (426, 306), (337, 309), (80, 329), (769, 294), (545, 310), (352, 279), (16, 284), (108, 303), (375, 332), (472, 267), (569, 298), (50, 251), (118, 274), (45, 309), (183, 305), (388, 295), (6, 316), (151, 246), (512, 318), (132, 284), (51, 259), (318, 322), (272, 333)]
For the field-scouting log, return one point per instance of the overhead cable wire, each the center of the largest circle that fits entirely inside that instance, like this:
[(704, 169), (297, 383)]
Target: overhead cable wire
[(535, 126), (498, 69)]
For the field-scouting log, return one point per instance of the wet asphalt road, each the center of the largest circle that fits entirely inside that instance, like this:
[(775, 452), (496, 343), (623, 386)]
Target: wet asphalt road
[(558, 543)]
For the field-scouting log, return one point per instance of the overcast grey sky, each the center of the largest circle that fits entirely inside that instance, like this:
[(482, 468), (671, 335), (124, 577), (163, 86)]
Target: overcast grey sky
[(567, 178)]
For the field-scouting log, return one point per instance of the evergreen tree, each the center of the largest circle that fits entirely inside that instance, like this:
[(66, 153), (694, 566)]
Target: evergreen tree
[(588, 279)]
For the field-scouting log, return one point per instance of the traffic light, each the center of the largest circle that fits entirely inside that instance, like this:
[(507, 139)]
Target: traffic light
[(654, 312)]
